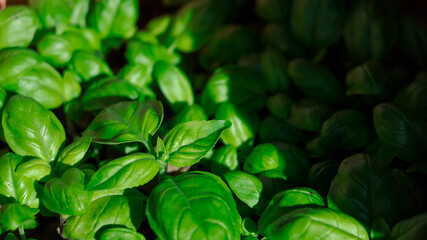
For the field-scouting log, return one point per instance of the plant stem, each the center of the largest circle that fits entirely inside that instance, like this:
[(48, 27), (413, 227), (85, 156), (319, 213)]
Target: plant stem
[(22, 233)]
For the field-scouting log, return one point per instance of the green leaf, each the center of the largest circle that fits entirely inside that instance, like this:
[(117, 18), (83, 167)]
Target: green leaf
[(15, 187), (14, 215), (18, 26), (67, 195), (88, 65), (317, 23), (224, 160), (240, 131), (188, 142), (360, 182), (114, 18), (32, 130), (379, 230), (104, 92), (346, 129), (14, 62), (191, 113), (137, 74), (246, 187), (125, 172), (281, 37), (126, 122), (414, 228), (286, 201), (125, 210), (366, 79), (149, 53), (273, 10), (279, 105), (159, 25), (72, 88), (72, 154), (60, 14), (263, 158), (273, 67), (249, 227), (202, 204), (34, 168), (293, 162), (401, 131), (174, 84), (274, 129), (414, 97), (312, 223), (309, 115), (121, 233), (315, 81)]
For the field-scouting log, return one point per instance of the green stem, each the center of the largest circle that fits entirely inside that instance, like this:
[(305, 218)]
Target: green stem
[(22, 233)]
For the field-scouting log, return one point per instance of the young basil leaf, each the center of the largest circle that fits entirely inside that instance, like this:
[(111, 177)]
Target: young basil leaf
[(361, 180), (174, 84), (315, 81), (159, 25), (367, 17), (279, 105), (329, 224), (121, 233), (188, 142), (148, 54), (191, 113), (309, 115), (293, 163), (114, 18), (400, 130), (125, 210), (15, 215), (107, 91), (32, 130), (201, 200), (346, 129), (273, 67), (14, 62), (263, 158), (414, 228), (61, 14), (125, 172), (15, 187), (18, 26), (72, 88), (287, 201), (247, 187), (88, 65), (316, 149), (317, 23), (366, 79), (126, 122), (72, 154), (240, 131), (58, 49), (137, 74), (34, 168), (67, 195), (224, 160)]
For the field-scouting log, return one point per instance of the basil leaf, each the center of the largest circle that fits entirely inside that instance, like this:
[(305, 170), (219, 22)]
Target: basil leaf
[(104, 92), (72, 154), (72, 88), (13, 186), (201, 201), (67, 195), (174, 85), (224, 160), (137, 74), (125, 172), (309, 115), (273, 67), (366, 79), (18, 26), (361, 180), (286, 201), (149, 53), (414, 228), (61, 14), (191, 113), (124, 210), (311, 223), (34, 168), (188, 142), (126, 122), (88, 65), (293, 162), (274, 129), (247, 187), (14, 215), (241, 131), (279, 105), (114, 18), (121, 233), (264, 157), (32, 130)]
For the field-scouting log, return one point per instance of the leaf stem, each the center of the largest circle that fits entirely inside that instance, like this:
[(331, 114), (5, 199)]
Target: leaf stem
[(22, 233)]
